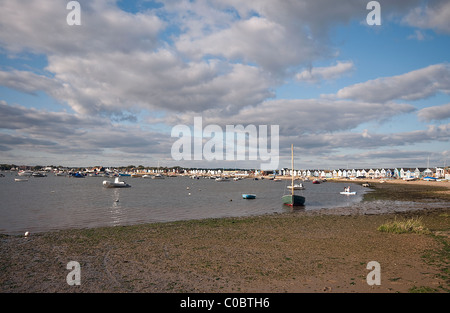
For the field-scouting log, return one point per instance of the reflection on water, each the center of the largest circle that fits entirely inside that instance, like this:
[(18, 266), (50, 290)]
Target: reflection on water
[(115, 209), (52, 203)]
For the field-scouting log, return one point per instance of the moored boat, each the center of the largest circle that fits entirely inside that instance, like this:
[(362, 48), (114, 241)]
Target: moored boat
[(348, 193), (248, 196), (293, 199), (115, 184), (39, 174), (25, 173), (296, 187), (222, 179)]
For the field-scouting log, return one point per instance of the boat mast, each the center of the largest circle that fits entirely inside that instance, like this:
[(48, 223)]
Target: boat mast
[(292, 174)]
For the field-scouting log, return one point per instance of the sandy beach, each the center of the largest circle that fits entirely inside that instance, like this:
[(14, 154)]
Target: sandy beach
[(297, 251)]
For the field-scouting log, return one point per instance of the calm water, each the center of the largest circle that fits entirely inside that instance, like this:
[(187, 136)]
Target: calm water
[(53, 203)]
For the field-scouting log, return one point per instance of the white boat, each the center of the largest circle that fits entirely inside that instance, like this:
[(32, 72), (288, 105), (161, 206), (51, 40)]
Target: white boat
[(222, 179), (146, 176), (349, 193), (158, 176), (20, 179), (115, 184), (296, 187), (25, 173), (39, 174)]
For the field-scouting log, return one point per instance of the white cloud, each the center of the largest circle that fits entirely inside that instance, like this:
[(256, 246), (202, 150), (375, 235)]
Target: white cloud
[(219, 59), (434, 113), (317, 74), (418, 35), (255, 40), (27, 82), (41, 132), (433, 15), (41, 26), (414, 85), (299, 117)]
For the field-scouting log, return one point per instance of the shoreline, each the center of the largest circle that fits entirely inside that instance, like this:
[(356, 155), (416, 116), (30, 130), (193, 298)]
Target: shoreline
[(299, 251)]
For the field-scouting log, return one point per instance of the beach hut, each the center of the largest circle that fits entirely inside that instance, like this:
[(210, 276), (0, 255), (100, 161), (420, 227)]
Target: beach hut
[(428, 172)]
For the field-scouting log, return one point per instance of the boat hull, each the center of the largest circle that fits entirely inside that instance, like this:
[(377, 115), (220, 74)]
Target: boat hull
[(248, 196), (108, 184), (293, 200), (348, 193), (296, 187)]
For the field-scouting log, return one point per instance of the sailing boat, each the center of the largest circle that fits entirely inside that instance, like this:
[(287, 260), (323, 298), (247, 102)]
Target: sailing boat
[(293, 199)]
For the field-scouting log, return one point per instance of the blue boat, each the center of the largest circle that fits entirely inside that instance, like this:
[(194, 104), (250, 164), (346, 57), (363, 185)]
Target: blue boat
[(248, 196)]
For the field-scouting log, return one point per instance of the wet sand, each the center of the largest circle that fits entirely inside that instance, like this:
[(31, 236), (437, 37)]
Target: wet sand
[(298, 251)]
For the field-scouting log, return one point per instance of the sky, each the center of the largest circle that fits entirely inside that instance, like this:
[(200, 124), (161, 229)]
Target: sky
[(110, 91)]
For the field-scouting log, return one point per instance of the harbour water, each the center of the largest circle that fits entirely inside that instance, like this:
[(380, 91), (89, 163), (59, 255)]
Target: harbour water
[(58, 202)]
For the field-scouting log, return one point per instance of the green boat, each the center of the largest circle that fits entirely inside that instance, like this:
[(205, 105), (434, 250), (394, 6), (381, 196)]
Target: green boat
[(293, 199)]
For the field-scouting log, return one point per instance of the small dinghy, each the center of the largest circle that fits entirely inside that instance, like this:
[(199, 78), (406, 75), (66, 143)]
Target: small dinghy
[(115, 184), (248, 196), (348, 193), (296, 187)]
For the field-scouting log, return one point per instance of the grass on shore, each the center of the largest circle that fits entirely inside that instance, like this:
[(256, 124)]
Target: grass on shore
[(411, 225), (439, 258)]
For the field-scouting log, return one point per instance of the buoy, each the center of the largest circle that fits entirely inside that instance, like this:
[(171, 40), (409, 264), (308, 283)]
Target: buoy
[(189, 193), (187, 188)]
